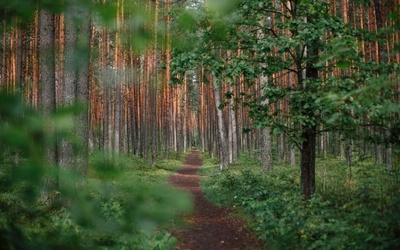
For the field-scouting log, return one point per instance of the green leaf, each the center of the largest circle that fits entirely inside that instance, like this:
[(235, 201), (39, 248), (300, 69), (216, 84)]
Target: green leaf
[(343, 64)]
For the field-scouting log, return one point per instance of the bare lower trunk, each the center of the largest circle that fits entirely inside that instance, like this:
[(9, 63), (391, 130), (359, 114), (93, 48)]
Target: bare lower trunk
[(280, 146), (266, 160), (76, 89), (349, 152), (342, 149), (223, 143), (154, 123), (82, 95), (266, 150), (47, 98), (184, 114), (292, 156), (233, 154), (308, 163)]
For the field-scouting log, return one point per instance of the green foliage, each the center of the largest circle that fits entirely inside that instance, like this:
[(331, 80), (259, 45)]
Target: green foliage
[(271, 47), (24, 10), (124, 203), (361, 212)]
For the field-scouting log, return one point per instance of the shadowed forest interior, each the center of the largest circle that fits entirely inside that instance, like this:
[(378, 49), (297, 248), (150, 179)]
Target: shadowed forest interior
[(294, 106)]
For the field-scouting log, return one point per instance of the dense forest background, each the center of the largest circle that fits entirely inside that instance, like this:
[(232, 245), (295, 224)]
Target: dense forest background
[(89, 88)]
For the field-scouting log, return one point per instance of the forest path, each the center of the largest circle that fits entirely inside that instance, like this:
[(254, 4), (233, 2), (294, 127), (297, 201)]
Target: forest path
[(210, 227)]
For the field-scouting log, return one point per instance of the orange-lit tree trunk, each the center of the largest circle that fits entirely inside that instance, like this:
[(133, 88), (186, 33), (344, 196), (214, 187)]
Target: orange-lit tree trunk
[(154, 88)]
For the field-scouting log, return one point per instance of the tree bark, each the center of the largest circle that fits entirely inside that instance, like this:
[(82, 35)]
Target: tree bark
[(47, 92), (82, 92), (47, 68), (76, 87), (223, 143), (266, 160), (307, 163), (69, 84)]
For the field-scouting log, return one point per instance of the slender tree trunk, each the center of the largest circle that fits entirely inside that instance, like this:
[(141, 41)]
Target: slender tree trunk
[(223, 143), (117, 85), (292, 156), (307, 163), (233, 143), (168, 113), (82, 92), (70, 80), (47, 98), (379, 7), (154, 89), (280, 148), (184, 114), (76, 87), (47, 67), (266, 160), (4, 56), (178, 117), (230, 132), (20, 36)]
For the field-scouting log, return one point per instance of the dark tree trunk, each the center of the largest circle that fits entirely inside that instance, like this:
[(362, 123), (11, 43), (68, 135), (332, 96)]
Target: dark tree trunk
[(82, 93), (308, 162), (47, 98), (76, 85)]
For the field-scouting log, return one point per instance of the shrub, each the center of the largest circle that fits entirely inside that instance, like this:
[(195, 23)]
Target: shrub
[(361, 212)]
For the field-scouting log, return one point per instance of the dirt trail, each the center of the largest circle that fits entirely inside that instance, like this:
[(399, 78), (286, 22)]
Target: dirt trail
[(211, 227)]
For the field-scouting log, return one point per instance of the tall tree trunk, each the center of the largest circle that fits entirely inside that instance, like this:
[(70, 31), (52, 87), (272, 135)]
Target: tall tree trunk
[(280, 148), (266, 160), (292, 156), (168, 90), (223, 143), (233, 143), (69, 84), (4, 56), (178, 117), (117, 85), (379, 7), (307, 163), (76, 86), (20, 49), (47, 98), (154, 88), (82, 92), (184, 114)]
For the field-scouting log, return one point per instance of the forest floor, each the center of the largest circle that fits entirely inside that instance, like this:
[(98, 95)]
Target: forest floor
[(209, 227)]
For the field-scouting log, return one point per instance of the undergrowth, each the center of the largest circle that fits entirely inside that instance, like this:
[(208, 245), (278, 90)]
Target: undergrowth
[(357, 211), (123, 203), (127, 206)]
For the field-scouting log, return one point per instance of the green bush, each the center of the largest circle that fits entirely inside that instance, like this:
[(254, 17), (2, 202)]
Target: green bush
[(361, 212)]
